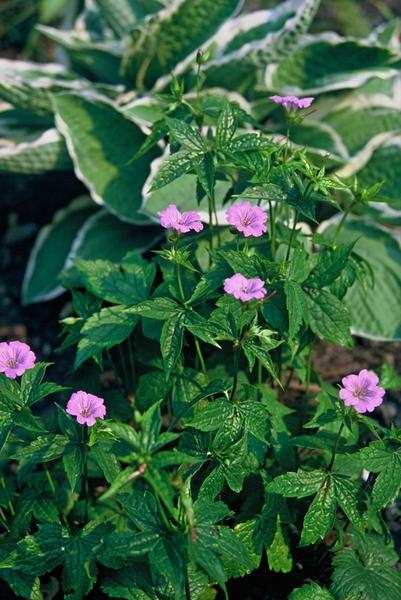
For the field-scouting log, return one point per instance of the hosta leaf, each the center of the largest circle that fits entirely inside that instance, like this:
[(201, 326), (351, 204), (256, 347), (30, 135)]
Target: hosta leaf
[(237, 69), (47, 152), (320, 516), (97, 60), (104, 329), (329, 63), (101, 142), (374, 309), (173, 34), (30, 86), (329, 318), (123, 15), (50, 251)]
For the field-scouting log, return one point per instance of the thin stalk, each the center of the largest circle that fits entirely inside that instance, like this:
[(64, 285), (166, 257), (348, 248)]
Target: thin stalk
[(86, 480), (287, 256), (214, 210), (179, 279), (3, 520), (187, 587), (54, 492), (3, 484), (342, 222), (272, 230), (308, 371), (211, 226), (260, 371), (236, 368), (200, 355), (333, 455), (131, 362), (124, 368)]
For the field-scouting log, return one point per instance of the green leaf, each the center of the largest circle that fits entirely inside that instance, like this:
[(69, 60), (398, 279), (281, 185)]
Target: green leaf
[(347, 495), (73, 461), (389, 378), (296, 301), (278, 554), (388, 483), (330, 265), (127, 544), (320, 516), (104, 456), (127, 284), (104, 329), (171, 341), (206, 174), (40, 553), (310, 591), (101, 142), (50, 251), (226, 126), (43, 449), (201, 328), (212, 416), (185, 135), (123, 15), (173, 167), (329, 319), (366, 571), (247, 143), (157, 308), (297, 485), (256, 348), (179, 30)]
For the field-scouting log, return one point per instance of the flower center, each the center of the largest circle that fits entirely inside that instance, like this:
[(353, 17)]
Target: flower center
[(11, 363), (359, 393), (85, 412)]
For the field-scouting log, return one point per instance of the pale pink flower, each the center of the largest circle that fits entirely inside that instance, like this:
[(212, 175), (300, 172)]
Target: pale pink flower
[(247, 218), (292, 103), (15, 358), (361, 391), (244, 289), (86, 408), (172, 218)]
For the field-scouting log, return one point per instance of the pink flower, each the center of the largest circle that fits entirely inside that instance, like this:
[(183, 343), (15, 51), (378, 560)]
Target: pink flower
[(86, 408), (171, 217), (15, 358), (292, 103), (244, 289), (247, 218), (361, 391)]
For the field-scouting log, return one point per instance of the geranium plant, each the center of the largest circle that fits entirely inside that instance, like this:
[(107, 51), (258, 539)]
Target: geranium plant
[(182, 459)]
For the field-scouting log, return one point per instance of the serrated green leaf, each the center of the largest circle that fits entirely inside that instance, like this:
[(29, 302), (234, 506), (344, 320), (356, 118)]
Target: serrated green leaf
[(297, 485), (329, 319), (320, 516), (388, 482), (296, 301), (171, 341)]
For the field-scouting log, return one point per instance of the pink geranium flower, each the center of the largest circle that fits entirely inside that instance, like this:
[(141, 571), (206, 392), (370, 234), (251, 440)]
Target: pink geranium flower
[(86, 408), (244, 289), (361, 391), (247, 218), (172, 218), (15, 358), (292, 103)]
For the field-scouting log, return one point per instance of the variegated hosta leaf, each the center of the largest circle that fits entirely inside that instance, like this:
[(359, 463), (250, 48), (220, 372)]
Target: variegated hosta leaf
[(329, 62), (46, 153), (358, 126), (99, 60), (380, 160), (183, 192), (288, 23), (29, 85), (123, 15), (102, 143), (174, 33), (79, 231), (51, 249), (375, 311)]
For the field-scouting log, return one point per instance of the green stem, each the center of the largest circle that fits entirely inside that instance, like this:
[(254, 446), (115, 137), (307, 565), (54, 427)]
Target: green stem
[(287, 256), (200, 355), (272, 230), (260, 371), (131, 362), (214, 210), (342, 222), (329, 468), (3, 520), (236, 368), (179, 279), (3, 484), (308, 371), (124, 368), (86, 480), (211, 227), (54, 492)]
